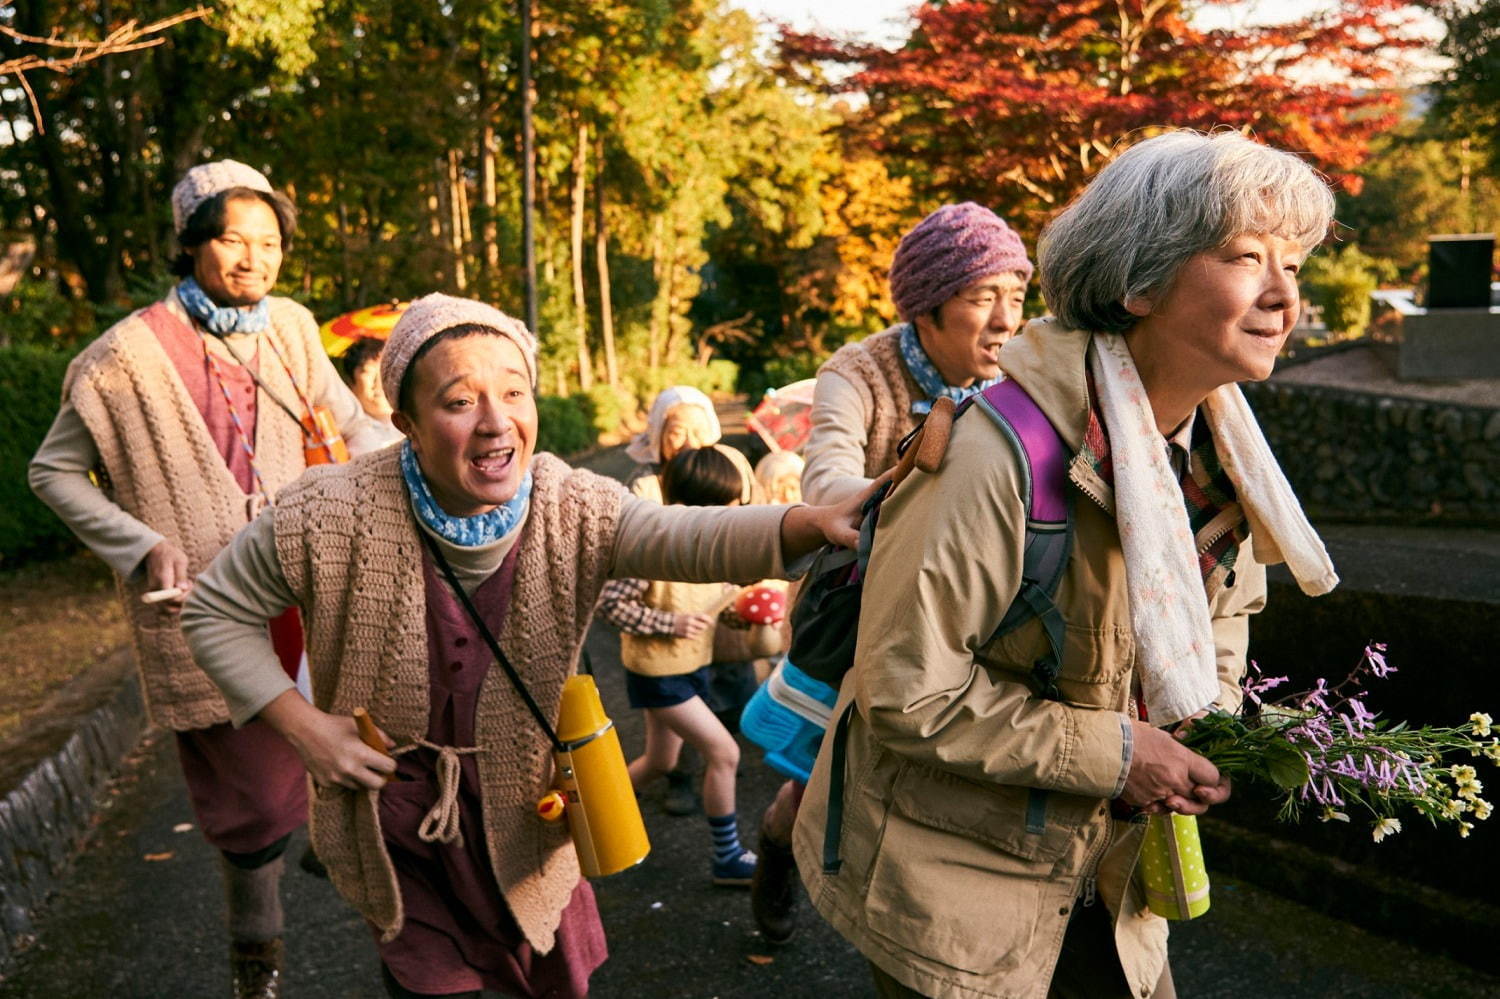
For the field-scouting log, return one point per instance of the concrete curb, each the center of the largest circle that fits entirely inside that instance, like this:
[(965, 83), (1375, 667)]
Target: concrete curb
[(1463, 928), (43, 820)]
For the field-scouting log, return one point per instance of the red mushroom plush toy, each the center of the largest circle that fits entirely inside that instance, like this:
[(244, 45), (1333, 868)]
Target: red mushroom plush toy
[(764, 606)]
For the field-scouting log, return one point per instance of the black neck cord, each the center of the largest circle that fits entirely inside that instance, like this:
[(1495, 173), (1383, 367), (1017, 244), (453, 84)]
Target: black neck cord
[(500, 657)]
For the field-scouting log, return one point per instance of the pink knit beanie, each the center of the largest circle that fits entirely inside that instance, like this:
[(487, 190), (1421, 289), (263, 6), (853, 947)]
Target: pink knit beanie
[(432, 314), (207, 179), (950, 250)]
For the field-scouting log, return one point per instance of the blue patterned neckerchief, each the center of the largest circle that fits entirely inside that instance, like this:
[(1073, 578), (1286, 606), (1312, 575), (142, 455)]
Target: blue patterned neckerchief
[(466, 532), (217, 319), (926, 375)]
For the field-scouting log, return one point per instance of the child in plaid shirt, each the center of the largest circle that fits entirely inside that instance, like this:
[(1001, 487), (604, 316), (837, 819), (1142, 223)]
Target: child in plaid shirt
[(666, 644)]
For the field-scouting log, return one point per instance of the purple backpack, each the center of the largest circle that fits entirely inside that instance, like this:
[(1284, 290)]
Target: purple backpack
[(827, 612)]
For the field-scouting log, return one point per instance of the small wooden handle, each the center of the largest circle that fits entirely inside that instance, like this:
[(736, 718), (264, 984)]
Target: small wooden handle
[(370, 736), (936, 430), (926, 452), (160, 596)]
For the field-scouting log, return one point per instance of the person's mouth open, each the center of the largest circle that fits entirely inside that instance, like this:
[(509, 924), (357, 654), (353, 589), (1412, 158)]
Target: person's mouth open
[(495, 464)]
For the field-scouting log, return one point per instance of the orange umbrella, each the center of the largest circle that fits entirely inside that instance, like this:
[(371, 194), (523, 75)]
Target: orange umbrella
[(341, 332)]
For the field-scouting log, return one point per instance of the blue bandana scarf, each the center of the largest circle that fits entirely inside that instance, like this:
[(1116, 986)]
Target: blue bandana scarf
[(926, 375), (466, 532), (218, 320)]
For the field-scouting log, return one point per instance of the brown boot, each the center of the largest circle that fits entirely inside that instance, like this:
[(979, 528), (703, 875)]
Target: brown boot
[(774, 890), (255, 969)]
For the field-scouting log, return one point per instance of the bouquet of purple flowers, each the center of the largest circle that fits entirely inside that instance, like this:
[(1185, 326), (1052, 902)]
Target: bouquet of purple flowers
[(1323, 749)]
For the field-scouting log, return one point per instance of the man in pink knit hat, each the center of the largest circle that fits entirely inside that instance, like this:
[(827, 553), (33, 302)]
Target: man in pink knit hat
[(191, 410), (958, 280)]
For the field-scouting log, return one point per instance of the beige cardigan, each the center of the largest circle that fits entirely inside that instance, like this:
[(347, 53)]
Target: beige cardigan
[(166, 476), (345, 544), (861, 410)]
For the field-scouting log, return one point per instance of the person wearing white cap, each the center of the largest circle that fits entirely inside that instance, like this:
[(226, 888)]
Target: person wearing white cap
[(192, 410), (407, 563)]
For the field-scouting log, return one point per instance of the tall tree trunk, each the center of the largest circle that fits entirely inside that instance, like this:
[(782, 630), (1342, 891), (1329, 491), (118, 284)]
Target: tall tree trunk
[(580, 304), (453, 187), (653, 332), (601, 261), (489, 230), (435, 221), (528, 168)]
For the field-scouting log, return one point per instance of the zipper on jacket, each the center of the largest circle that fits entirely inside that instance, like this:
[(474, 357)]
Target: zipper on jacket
[(1090, 881)]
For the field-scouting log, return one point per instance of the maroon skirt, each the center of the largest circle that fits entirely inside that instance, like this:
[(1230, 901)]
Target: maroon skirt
[(459, 935)]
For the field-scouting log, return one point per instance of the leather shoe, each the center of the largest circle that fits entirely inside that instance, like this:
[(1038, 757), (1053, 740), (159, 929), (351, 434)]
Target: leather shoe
[(773, 890)]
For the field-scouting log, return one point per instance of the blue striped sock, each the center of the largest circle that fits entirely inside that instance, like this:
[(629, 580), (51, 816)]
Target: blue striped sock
[(726, 833)]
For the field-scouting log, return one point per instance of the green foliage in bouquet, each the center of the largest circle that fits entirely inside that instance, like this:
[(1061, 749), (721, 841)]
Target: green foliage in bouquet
[(1323, 749)]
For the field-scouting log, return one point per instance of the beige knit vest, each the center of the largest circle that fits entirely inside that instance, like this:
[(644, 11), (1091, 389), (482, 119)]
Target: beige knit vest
[(875, 369), (668, 655), (348, 547), (164, 470)]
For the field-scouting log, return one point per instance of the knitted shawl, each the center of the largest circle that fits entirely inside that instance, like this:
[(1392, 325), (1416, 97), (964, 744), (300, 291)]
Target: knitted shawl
[(348, 547), (163, 468), (875, 369)]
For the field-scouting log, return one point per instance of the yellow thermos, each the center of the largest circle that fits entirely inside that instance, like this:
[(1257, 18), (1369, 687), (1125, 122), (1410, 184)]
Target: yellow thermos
[(594, 790)]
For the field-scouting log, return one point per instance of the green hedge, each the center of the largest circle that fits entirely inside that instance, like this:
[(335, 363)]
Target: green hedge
[(30, 389), (565, 425)]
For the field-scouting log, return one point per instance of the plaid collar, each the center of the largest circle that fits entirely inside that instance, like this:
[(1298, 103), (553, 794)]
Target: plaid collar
[(1214, 514)]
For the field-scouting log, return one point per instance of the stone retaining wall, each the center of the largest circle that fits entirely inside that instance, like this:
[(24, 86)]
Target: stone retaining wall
[(43, 819), (1355, 456)]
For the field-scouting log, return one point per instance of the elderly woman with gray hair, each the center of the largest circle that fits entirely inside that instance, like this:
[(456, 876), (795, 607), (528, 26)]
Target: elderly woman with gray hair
[(990, 826), (464, 885)]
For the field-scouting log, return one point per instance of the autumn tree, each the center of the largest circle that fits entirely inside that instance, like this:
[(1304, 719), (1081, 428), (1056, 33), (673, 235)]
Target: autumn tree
[(1018, 103)]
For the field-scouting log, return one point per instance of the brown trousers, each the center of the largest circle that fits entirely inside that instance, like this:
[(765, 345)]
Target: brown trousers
[(1080, 974)]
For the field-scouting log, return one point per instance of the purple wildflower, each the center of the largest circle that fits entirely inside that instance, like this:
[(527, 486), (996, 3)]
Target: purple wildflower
[(1315, 698), (1375, 655)]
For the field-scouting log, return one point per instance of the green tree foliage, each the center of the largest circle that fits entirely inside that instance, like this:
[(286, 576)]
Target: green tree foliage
[(1418, 182), (30, 385), (696, 203), (1469, 93), (1340, 283)]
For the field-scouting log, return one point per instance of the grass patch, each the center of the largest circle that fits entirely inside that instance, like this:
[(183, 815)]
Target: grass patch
[(58, 618)]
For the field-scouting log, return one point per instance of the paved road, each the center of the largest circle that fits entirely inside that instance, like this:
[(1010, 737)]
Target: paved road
[(141, 918)]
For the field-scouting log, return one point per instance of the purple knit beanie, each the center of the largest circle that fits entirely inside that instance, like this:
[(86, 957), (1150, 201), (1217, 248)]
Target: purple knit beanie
[(950, 250)]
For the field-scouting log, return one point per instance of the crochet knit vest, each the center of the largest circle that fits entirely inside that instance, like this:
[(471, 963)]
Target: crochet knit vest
[(875, 369), (668, 655), (348, 547), (162, 467)]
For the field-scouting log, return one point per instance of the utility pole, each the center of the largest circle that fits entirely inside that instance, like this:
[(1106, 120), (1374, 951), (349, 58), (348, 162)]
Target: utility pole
[(528, 171)]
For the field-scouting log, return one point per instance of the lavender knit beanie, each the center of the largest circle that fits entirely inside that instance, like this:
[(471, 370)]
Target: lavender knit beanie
[(207, 179), (432, 314), (949, 250)]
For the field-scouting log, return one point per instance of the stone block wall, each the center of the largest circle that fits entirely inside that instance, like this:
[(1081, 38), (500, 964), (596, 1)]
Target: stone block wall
[(44, 818), (1356, 456)]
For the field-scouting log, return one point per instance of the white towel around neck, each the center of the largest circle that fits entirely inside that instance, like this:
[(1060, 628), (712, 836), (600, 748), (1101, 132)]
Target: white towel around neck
[(1168, 610)]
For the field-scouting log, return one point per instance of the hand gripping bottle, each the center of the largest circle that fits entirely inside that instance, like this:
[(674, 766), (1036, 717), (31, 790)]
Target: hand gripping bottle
[(594, 789), (1171, 868)]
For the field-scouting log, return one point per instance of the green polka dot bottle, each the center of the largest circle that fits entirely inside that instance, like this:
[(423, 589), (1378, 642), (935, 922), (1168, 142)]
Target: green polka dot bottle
[(1171, 868)]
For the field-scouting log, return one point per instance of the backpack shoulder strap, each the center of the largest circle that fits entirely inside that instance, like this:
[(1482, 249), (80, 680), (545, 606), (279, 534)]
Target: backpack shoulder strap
[(1049, 537), (1043, 460)]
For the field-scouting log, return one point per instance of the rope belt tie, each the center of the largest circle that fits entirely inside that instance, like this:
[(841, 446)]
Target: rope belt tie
[(440, 824)]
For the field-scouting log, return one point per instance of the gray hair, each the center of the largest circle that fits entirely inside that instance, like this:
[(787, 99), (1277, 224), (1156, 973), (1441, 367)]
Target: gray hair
[(1159, 203)]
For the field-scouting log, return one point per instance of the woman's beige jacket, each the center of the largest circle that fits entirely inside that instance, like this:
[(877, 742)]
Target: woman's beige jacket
[(976, 812)]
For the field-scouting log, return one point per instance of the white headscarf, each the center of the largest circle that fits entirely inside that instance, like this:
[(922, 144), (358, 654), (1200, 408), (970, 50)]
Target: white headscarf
[(645, 448)]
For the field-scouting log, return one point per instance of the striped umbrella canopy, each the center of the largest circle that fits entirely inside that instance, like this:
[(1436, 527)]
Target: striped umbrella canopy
[(783, 419), (341, 332)]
